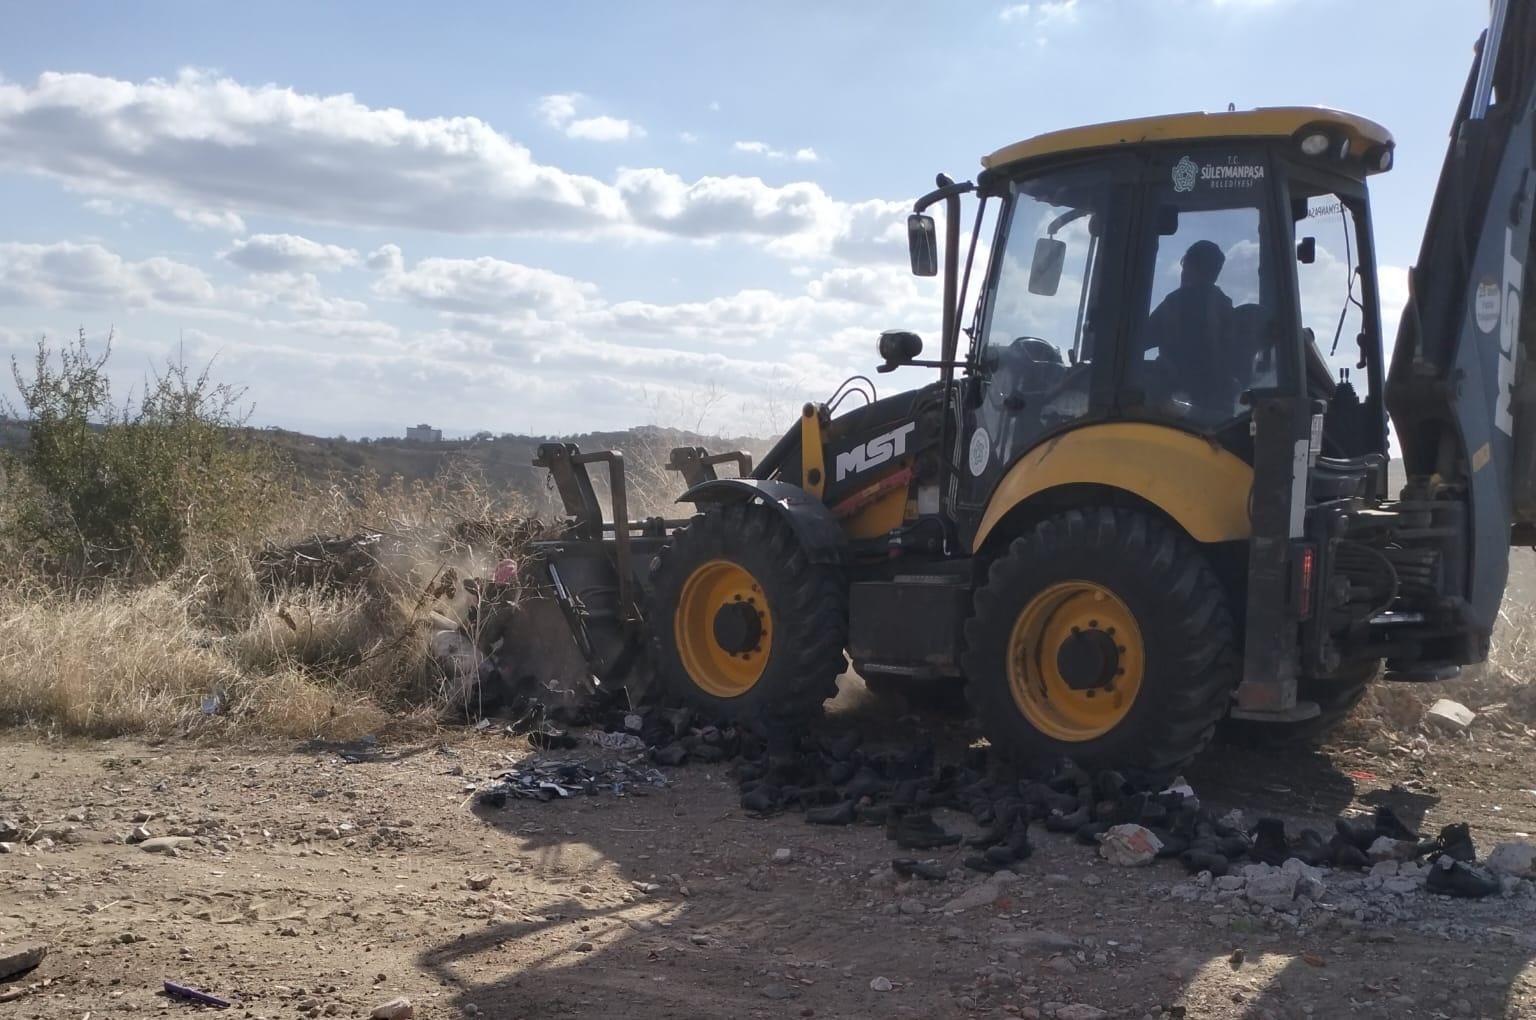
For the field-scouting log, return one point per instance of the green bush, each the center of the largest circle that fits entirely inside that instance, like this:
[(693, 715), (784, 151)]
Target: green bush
[(130, 490)]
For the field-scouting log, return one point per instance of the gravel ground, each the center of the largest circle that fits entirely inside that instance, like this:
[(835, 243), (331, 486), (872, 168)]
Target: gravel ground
[(309, 884)]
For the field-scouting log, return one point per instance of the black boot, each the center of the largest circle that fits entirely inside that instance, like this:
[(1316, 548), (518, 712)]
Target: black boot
[(833, 814), (1346, 854), (931, 871), (1067, 822), (1450, 877), (1455, 842), (1310, 849), (1269, 845), (761, 800), (918, 831), (1388, 824), (1196, 861)]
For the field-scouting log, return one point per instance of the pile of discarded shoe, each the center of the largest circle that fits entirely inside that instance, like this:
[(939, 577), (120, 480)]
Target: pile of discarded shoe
[(833, 779)]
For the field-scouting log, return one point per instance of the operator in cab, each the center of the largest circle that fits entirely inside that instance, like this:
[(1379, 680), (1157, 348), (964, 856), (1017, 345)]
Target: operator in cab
[(1188, 327)]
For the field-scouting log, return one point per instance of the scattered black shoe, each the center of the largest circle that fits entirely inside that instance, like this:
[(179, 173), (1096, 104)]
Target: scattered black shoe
[(1450, 877), (549, 738), (1346, 854), (762, 800), (1359, 833), (708, 754), (1388, 824), (1173, 843), (1455, 842), (874, 814), (1310, 849), (1067, 822), (832, 814), (1233, 847), (918, 831), (1269, 843), (1196, 861), (930, 871), (672, 754), (1089, 834), (866, 782), (983, 864)]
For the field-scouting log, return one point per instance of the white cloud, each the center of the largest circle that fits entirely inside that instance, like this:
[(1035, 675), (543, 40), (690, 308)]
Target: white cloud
[(88, 275), (105, 207), (214, 151), (803, 155), (687, 137), (1014, 12), (386, 257), (559, 111), (485, 285), (278, 253), (205, 219)]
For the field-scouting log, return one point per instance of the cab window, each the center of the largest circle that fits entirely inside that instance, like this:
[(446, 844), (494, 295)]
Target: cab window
[(1207, 336), (1043, 317)]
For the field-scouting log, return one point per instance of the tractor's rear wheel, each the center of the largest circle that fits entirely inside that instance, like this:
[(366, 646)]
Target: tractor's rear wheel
[(743, 624), (1102, 635)]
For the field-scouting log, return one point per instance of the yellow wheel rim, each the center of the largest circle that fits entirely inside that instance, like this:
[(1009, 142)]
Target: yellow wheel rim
[(721, 647), (1076, 661)]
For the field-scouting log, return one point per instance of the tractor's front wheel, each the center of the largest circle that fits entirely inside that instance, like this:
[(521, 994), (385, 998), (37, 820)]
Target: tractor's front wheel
[(742, 623), (1102, 635)]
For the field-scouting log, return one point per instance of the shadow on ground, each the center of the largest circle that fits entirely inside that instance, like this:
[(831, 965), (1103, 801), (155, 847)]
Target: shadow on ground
[(726, 933)]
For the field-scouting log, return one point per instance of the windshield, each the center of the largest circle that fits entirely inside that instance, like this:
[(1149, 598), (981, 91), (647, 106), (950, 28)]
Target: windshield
[(1047, 271)]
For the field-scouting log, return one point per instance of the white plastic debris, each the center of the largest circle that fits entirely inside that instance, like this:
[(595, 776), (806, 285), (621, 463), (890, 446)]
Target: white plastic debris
[(1130, 846)]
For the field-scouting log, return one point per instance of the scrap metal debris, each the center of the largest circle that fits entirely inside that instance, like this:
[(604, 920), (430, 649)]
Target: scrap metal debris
[(547, 779)]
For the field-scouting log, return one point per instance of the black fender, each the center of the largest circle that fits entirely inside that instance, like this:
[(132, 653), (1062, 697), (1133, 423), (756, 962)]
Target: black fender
[(813, 523)]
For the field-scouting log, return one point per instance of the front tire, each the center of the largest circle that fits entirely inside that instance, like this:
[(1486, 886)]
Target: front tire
[(743, 624), (1102, 635)]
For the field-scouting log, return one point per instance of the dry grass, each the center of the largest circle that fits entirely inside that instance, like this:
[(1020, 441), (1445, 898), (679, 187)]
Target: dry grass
[(212, 650)]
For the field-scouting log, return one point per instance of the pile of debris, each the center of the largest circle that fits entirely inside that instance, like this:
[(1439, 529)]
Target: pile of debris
[(831, 778), (546, 779)]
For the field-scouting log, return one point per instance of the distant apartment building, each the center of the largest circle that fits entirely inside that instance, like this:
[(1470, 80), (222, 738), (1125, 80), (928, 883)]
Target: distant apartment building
[(423, 434)]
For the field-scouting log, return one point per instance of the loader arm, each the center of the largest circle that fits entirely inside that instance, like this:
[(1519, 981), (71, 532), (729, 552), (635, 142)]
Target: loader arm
[(1460, 386)]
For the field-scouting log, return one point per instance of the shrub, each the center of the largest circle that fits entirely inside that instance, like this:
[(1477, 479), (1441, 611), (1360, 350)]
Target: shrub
[(103, 489)]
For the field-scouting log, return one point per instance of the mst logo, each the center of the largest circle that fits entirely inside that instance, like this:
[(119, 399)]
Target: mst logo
[(875, 452), (1509, 332)]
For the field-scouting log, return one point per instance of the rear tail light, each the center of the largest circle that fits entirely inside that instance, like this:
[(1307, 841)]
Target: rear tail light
[(1305, 577)]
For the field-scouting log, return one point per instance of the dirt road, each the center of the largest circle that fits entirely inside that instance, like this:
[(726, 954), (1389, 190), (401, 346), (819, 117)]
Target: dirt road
[(319, 886)]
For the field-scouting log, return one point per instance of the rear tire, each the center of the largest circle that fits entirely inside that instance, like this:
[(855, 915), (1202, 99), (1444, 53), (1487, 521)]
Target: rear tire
[(1125, 608), (728, 559)]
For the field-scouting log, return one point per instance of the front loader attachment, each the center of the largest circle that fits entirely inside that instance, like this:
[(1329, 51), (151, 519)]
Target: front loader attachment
[(598, 568)]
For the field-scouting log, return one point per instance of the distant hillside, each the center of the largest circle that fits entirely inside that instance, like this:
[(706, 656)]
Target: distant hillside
[(505, 463)]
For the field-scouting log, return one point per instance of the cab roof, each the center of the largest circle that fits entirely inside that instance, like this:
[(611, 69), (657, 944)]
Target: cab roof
[(1266, 122)]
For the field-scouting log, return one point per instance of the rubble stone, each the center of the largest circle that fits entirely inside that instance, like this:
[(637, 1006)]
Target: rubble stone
[(1450, 716), (399, 1008), (21, 959), (1517, 859), (1277, 890)]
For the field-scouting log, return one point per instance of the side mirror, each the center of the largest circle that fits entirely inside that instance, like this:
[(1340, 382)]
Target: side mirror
[(1045, 270), (1306, 251), (898, 347), (923, 245)]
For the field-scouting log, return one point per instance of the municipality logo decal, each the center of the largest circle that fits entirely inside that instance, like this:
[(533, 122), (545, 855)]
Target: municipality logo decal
[(1185, 172)]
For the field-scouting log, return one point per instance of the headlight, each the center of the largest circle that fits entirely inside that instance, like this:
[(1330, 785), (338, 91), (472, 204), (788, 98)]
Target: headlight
[(1315, 144)]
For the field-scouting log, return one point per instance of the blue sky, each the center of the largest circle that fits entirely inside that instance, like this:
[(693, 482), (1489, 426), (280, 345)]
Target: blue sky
[(547, 218)]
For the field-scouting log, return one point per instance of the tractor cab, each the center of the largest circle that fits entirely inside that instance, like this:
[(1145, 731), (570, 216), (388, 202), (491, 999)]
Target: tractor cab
[(1168, 272)]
